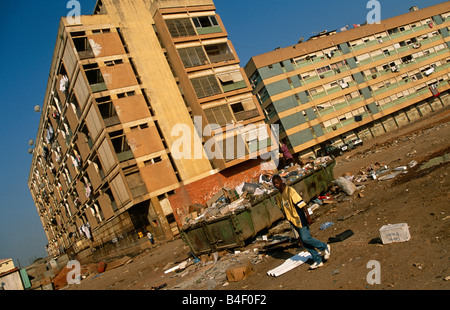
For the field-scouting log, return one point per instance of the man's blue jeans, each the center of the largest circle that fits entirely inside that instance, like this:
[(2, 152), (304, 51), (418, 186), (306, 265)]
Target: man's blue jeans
[(311, 244)]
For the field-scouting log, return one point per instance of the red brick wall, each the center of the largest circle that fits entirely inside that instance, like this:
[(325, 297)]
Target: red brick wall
[(201, 191)]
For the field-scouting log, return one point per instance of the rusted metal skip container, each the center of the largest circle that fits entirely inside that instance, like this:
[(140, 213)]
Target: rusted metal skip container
[(234, 229)]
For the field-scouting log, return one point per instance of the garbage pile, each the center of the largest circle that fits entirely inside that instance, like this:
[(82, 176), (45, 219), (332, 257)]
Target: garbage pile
[(379, 171), (228, 200)]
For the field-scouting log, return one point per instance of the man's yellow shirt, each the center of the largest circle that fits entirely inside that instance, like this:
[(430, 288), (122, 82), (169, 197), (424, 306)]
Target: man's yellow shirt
[(287, 201)]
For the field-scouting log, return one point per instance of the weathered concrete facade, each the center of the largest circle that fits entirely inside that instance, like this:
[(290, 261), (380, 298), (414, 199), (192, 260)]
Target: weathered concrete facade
[(105, 168)]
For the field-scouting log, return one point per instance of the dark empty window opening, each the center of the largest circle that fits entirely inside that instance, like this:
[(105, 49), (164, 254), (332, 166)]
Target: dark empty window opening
[(121, 146), (108, 192), (237, 107), (77, 34), (107, 110), (94, 77), (219, 52), (83, 47), (407, 59), (111, 63), (139, 127), (205, 21), (126, 94)]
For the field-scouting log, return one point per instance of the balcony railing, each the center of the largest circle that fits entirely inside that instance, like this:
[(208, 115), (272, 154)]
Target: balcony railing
[(126, 155), (244, 115), (234, 86), (221, 57), (208, 30), (98, 87)]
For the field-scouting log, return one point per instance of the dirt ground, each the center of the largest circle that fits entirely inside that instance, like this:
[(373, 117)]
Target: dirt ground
[(419, 198)]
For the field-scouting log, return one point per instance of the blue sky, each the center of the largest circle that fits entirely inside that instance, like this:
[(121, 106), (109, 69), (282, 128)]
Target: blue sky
[(28, 31)]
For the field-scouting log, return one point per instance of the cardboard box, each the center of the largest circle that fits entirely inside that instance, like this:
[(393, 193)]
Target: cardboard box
[(240, 272), (395, 233)]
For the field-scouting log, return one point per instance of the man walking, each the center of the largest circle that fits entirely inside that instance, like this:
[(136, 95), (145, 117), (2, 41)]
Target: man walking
[(293, 207)]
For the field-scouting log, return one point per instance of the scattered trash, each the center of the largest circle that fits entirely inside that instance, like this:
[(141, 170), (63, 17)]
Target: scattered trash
[(240, 272), (412, 163), (290, 264), (395, 233), (155, 288), (390, 176), (347, 186), (418, 266), (181, 266), (341, 237), (101, 267), (326, 225), (401, 168)]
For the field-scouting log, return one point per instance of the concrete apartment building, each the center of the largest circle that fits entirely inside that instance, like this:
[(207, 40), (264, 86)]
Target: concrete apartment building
[(358, 83), (104, 166)]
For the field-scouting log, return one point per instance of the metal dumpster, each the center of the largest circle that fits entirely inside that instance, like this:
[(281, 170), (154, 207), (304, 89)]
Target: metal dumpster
[(232, 230)]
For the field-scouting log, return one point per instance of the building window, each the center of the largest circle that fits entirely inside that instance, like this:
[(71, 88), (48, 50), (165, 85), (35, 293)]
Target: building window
[(121, 146), (180, 27), (205, 21), (219, 52), (220, 115), (206, 86), (206, 24), (193, 56), (107, 110), (82, 45), (94, 77)]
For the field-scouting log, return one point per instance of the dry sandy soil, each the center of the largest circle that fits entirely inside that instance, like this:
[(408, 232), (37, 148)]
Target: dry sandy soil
[(419, 198)]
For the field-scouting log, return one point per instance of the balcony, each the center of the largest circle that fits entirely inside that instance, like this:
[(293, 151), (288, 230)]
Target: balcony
[(227, 87), (221, 57), (83, 48), (83, 146), (95, 78), (98, 87), (244, 115), (209, 30), (94, 176), (124, 156), (206, 25)]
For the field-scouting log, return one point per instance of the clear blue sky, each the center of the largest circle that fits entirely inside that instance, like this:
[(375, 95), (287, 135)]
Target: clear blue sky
[(28, 31)]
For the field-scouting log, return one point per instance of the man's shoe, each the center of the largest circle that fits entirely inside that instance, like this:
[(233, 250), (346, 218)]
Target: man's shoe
[(327, 252), (315, 266)]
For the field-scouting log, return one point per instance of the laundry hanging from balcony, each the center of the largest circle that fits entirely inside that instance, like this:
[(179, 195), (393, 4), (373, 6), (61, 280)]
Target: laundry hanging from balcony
[(85, 230), (63, 83)]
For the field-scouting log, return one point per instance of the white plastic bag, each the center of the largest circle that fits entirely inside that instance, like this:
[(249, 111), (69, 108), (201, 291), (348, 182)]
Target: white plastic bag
[(347, 186)]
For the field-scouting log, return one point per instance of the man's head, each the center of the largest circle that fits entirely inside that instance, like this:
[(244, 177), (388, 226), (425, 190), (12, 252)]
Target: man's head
[(277, 181)]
